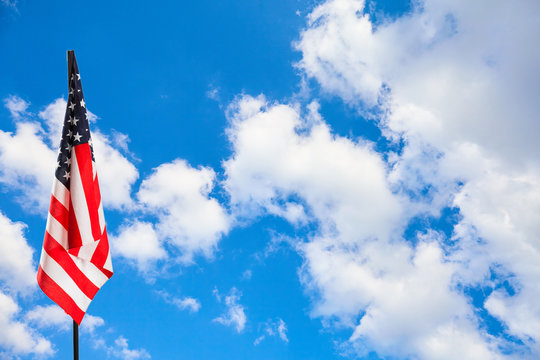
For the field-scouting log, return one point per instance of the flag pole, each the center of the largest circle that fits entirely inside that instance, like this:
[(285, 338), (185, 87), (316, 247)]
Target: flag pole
[(75, 340), (75, 325)]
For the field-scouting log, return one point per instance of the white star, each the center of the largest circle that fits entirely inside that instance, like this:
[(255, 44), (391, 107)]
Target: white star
[(71, 91), (74, 121), (71, 106), (68, 148), (67, 175), (68, 161), (70, 133), (72, 76), (58, 164), (83, 104), (78, 137), (78, 77)]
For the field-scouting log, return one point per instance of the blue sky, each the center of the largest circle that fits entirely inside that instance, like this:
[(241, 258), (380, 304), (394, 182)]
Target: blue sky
[(282, 179)]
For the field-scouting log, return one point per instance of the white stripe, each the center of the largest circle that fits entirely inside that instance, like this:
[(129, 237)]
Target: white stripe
[(62, 279), (96, 276), (61, 193), (78, 199), (100, 207), (57, 231), (108, 263), (87, 251), (101, 217)]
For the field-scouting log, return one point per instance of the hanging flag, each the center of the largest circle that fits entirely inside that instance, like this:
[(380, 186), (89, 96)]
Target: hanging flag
[(75, 260)]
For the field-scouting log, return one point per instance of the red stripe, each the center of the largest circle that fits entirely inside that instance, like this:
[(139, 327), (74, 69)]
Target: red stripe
[(84, 162), (102, 251), (59, 296), (106, 272), (59, 212), (60, 255), (74, 236), (97, 193)]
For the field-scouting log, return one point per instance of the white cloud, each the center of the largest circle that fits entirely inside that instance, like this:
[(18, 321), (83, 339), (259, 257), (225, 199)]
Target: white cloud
[(185, 303), (53, 116), (51, 316), (450, 78), (464, 102), (246, 275), (295, 168), (273, 328), (10, 3), (139, 243), (17, 268), (120, 349), (91, 323), (235, 315), (115, 172), (411, 308), (17, 277), (213, 93), (189, 218), (17, 337), (16, 106), (27, 164), (358, 263)]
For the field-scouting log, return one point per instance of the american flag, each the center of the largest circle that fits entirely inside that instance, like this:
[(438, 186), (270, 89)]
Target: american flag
[(75, 260)]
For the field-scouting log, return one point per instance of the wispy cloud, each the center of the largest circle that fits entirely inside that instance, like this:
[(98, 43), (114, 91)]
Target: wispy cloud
[(16, 106), (234, 315), (273, 328), (120, 349), (185, 303)]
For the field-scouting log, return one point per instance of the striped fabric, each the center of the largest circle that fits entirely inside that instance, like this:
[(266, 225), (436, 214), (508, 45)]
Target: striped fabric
[(75, 259)]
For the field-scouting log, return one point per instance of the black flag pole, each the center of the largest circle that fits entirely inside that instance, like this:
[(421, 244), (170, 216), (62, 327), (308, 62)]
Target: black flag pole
[(75, 325), (75, 340)]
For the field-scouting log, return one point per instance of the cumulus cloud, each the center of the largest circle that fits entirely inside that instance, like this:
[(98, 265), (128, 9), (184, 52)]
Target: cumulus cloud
[(138, 242), (17, 268), (449, 78), (293, 167), (15, 335), (234, 316), (358, 262), (51, 316), (464, 104), (27, 164), (411, 308), (189, 218), (18, 336), (190, 221)]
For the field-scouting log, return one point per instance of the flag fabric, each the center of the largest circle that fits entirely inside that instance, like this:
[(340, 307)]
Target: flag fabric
[(75, 259)]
